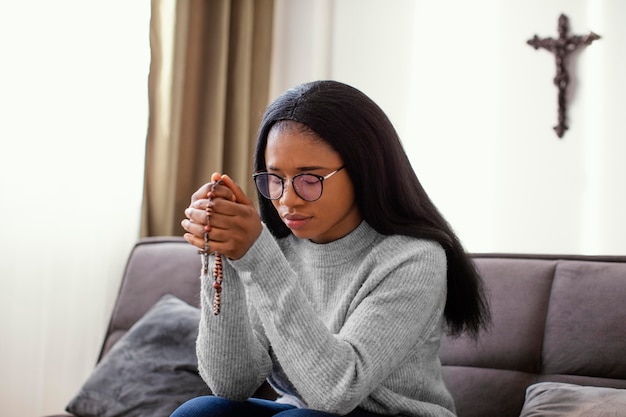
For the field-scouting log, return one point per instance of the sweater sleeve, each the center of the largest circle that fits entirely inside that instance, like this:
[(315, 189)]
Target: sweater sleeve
[(233, 357), (400, 305)]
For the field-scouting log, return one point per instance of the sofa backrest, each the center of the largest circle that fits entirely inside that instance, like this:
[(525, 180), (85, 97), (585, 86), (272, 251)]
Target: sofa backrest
[(555, 318), (156, 266)]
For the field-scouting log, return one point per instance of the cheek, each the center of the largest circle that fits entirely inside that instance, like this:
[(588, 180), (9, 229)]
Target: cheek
[(346, 190), (340, 200)]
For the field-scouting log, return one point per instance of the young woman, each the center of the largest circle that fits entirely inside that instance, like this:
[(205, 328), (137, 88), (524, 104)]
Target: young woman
[(339, 291)]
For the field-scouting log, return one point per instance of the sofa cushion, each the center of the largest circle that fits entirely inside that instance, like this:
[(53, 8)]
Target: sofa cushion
[(483, 392), (586, 321), (519, 293), (150, 371), (554, 399), (156, 266)]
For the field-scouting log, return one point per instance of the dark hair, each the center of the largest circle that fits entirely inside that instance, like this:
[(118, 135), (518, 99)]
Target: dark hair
[(389, 195)]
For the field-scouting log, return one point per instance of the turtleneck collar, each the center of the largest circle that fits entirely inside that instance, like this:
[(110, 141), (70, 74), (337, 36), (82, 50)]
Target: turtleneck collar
[(338, 251)]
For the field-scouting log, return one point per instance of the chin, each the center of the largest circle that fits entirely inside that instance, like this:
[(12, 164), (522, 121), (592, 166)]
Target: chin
[(300, 234)]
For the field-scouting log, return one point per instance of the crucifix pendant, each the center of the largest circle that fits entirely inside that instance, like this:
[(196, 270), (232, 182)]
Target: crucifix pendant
[(204, 256), (561, 47)]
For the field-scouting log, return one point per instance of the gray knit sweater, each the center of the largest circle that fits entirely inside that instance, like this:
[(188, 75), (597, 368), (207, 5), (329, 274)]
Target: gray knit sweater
[(354, 322)]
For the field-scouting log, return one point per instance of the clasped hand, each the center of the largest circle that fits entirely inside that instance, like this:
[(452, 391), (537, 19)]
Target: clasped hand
[(234, 222)]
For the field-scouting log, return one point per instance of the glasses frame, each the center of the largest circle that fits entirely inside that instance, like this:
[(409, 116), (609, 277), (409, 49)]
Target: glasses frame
[(321, 179)]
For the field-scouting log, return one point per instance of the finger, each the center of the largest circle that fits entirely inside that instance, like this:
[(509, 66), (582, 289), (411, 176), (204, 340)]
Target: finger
[(218, 238), (194, 240), (221, 191), (200, 193), (195, 229), (240, 196), (211, 190), (216, 176), (197, 213), (203, 191)]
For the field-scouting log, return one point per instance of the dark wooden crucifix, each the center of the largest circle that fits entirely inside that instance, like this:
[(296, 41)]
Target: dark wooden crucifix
[(561, 48)]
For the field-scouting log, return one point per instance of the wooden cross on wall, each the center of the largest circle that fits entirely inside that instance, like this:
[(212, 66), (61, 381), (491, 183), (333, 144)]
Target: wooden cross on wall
[(561, 48)]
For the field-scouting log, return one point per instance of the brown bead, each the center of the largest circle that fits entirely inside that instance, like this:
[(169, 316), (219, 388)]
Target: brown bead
[(218, 272)]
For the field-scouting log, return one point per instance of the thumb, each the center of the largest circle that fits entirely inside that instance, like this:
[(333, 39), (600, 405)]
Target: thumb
[(240, 196), (216, 176)]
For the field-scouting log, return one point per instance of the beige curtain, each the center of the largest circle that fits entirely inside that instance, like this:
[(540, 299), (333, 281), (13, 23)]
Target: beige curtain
[(208, 87)]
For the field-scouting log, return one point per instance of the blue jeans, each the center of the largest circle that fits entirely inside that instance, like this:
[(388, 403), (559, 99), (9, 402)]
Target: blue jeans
[(210, 406)]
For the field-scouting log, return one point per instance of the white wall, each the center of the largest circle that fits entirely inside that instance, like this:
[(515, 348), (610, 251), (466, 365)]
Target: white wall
[(73, 119), (475, 106)]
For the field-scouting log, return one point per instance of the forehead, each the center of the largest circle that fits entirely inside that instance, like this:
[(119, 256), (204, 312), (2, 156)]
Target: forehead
[(294, 146)]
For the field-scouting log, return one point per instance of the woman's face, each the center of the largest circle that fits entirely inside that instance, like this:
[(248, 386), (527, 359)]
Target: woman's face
[(291, 150)]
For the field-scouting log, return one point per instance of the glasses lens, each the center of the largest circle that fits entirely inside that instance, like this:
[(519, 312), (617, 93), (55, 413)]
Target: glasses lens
[(269, 185), (308, 186)]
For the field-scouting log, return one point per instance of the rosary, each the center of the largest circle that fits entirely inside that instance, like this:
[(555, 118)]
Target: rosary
[(218, 273)]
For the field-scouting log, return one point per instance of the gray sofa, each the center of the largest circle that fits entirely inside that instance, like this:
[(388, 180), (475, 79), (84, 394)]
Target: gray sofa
[(557, 319)]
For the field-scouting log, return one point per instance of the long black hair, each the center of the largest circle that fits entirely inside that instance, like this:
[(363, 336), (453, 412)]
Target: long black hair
[(389, 195)]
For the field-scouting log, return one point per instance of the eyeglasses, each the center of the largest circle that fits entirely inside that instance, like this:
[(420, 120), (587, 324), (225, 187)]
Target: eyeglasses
[(308, 187)]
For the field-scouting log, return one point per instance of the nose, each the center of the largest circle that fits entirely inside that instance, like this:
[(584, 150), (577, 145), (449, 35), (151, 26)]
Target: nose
[(289, 197)]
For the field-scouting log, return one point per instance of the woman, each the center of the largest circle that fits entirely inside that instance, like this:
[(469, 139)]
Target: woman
[(339, 292)]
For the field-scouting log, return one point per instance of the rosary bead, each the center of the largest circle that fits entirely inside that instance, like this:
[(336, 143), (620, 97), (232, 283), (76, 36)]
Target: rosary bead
[(218, 273)]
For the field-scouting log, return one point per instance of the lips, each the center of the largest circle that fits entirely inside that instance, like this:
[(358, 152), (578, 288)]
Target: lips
[(295, 221)]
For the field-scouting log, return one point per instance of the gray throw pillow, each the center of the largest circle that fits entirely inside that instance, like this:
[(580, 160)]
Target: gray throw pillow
[(554, 399), (150, 371)]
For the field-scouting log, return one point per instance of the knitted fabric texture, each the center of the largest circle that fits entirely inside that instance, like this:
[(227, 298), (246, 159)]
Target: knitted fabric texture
[(354, 322)]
